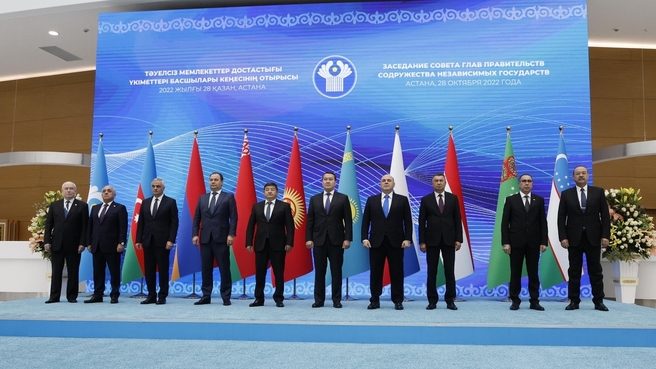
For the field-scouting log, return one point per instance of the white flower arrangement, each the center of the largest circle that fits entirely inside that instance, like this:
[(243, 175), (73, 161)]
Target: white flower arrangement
[(632, 229)]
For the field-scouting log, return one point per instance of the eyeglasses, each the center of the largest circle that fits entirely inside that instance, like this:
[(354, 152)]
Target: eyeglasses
[(526, 180)]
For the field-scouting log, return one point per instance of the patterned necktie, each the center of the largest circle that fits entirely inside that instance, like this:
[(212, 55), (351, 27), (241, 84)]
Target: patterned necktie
[(526, 203), (327, 206), (154, 212), (584, 200), (103, 212), (386, 206), (213, 202), (68, 204), (440, 203), (268, 211)]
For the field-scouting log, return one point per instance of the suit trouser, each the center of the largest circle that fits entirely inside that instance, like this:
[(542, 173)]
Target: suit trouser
[(208, 253), (72, 258), (394, 256), (517, 256), (323, 254), (449, 261), (113, 261), (277, 258), (157, 257), (592, 256)]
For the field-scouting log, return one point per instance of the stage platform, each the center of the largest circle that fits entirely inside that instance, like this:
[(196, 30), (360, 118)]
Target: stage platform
[(477, 322)]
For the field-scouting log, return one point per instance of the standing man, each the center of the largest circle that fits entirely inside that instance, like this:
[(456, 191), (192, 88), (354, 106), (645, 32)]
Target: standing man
[(156, 232), (524, 236), (273, 240), (390, 218), (329, 231), (65, 236), (108, 228), (584, 228), (216, 222), (440, 230)]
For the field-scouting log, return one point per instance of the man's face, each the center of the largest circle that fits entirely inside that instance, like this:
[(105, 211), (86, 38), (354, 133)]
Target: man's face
[(581, 176), (438, 183), (387, 184), (526, 183), (328, 181), (215, 182), (157, 188), (270, 192), (108, 194), (69, 190)]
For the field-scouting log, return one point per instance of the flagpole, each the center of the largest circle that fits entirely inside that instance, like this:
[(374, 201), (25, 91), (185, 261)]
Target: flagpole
[(561, 128), (243, 295), (457, 298), (346, 296), (141, 294), (193, 294), (294, 296), (507, 299)]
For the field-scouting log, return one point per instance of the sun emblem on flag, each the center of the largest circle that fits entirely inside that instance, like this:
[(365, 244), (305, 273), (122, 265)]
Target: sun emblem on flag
[(355, 210), (295, 200)]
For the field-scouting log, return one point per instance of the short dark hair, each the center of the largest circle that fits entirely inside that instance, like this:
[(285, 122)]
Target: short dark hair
[(220, 175), (438, 175), (329, 172), (525, 174), (268, 184), (579, 166)]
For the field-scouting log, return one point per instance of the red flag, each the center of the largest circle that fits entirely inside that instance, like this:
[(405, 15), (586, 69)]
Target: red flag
[(299, 260), (245, 198)]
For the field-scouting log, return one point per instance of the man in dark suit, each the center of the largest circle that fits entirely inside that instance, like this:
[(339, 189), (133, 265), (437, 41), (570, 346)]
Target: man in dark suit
[(65, 236), (216, 222), (273, 240), (156, 232), (524, 236), (389, 216), (440, 230), (329, 231), (107, 234), (584, 228)]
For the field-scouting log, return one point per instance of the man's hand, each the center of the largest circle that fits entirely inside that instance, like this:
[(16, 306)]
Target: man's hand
[(194, 240), (309, 244), (120, 248), (89, 248), (230, 240), (457, 245), (506, 249), (80, 249), (288, 248), (543, 248), (605, 242), (422, 247), (564, 243), (366, 244), (249, 249), (406, 244), (169, 245), (346, 244), (46, 247), (138, 245)]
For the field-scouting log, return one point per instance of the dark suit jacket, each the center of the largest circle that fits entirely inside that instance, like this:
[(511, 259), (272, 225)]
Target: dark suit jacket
[(336, 226), (279, 230), (219, 224), (113, 229), (520, 228), (66, 232), (435, 226), (397, 226), (571, 219), (163, 228)]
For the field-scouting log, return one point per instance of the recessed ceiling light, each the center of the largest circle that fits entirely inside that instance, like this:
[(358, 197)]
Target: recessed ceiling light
[(53, 33)]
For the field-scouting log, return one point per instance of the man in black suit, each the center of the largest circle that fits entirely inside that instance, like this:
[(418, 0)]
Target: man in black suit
[(524, 236), (440, 230), (107, 234), (156, 232), (65, 236), (216, 222), (329, 231), (389, 216), (273, 240), (584, 228)]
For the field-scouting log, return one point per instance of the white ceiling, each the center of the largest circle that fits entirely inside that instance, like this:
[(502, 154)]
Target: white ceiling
[(24, 27)]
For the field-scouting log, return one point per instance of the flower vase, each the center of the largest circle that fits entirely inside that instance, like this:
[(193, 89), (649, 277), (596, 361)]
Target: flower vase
[(625, 279)]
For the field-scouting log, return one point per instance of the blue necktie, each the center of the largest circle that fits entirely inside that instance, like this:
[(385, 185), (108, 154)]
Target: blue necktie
[(68, 204), (584, 200), (386, 206), (327, 206), (268, 211)]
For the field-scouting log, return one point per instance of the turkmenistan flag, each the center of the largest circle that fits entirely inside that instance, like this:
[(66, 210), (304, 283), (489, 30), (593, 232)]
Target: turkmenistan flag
[(498, 271)]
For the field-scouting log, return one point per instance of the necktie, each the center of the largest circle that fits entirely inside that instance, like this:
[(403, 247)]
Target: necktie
[(440, 203), (155, 208), (268, 211), (327, 206), (102, 213), (68, 204), (386, 205), (584, 200), (526, 203), (213, 202)]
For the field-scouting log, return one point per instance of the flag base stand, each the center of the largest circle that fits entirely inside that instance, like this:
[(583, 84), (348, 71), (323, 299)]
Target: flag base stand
[(347, 297), (405, 299), (507, 299), (243, 295), (141, 294), (193, 295), (459, 299), (294, 296), (566, 299)]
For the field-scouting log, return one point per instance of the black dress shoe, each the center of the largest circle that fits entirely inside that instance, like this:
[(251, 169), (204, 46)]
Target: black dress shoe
[(451, 306), (148, 300), (93, 299), (337, 305), (114, 300), (51, 301), (72, 301), (572, 306), (161, 301), (256, 303), (398, 306), (515, 306), (280, 304), (373, 305), (431, 307), (536, 306), (317, 305), (203, 301), (600, 306), (227, 303)]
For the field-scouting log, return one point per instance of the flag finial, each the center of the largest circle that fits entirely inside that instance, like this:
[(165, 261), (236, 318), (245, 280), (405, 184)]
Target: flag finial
[(101, 135), (508, 129), (195, 133), (397, 128), (561, 129), (348, 128), (245, 130), (151, 135), (450, 128)]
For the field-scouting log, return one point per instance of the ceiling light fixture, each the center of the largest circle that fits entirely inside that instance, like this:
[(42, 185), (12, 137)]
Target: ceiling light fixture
[(53, 33)]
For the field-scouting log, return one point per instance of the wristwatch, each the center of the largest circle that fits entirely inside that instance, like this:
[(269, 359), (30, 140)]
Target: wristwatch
[(122, 243)]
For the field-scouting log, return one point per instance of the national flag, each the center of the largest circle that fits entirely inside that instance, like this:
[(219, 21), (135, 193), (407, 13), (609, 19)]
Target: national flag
[(299, 260), (244, 262), (133, 265), (187, 256), (498, 271), (397, 171), (554, 261), (464, 258)]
